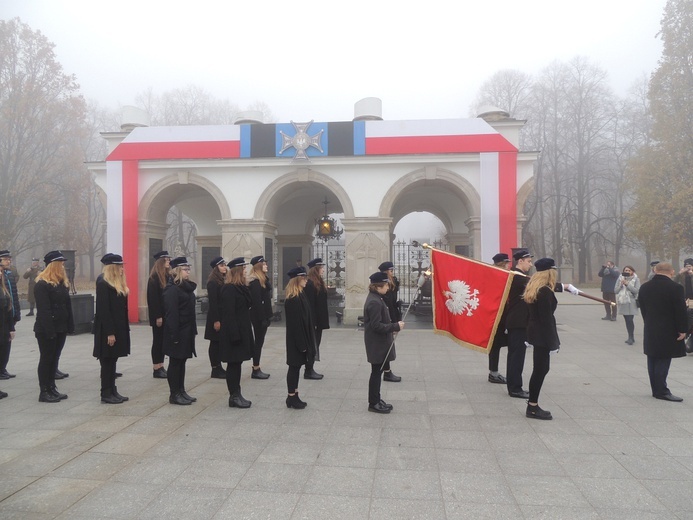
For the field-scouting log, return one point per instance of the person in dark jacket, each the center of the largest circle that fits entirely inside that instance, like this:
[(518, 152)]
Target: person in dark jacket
[(111, 325), (300, 333), (378, 335), (663, 309), (541, 330), (609, 274), (158, 279), (316, 292), (214, 284), (502, 261), (53, 322), (10, 282), (685, 279), (236, 334), (6, 318), (260, 311), (391, 299), (180, 328), (30, 274)]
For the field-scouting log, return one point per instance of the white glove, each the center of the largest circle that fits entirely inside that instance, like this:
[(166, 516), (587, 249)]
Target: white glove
[(571, 288)]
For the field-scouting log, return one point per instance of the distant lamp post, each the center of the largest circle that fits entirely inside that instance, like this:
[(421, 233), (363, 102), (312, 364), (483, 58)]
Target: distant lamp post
[(327, 228)]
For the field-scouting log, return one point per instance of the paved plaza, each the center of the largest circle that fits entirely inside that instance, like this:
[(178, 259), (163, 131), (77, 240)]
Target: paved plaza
[(455, 447)]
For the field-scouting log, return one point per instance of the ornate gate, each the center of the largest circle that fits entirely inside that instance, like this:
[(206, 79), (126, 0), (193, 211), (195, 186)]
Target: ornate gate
[(412, 261), (334, 256)]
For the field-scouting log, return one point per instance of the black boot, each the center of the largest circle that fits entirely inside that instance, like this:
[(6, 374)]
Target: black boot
[(293, 401), (534, 412), (115, 393), (54, 391), (186, 396), (236, 400), (178, 399), (259, 374), (47, 397), (218, 373), (108, 397)]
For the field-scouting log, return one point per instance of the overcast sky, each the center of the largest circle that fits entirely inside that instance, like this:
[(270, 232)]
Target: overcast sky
[(314, 60)]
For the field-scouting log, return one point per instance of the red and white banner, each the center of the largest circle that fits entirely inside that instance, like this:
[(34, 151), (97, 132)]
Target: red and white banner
[(468, 299)]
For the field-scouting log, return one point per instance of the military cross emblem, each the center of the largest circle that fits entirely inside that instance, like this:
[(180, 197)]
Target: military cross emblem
[(301, 141)]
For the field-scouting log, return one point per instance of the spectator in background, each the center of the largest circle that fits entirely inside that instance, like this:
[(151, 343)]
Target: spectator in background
[(652, 269), (609, 274), (10, 282), (627, 288), (685, 279), (31, 273)]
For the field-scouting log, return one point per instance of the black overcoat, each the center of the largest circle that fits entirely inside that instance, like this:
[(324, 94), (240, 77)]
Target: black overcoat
[(180, 327), (318, 305), (11, 283), (300, 331), (155, 300), (261, 308), (391, 300), (377, 329), (53, 310), (541, 327), (6, 318), (516, 312), (663, 309), (236, 340), (213, 310), (111, 319)]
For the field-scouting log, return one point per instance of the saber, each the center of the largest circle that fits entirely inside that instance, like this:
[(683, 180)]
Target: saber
[(394, 337)]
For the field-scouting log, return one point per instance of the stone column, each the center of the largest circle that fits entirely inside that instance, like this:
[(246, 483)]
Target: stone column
[(474, 226), (147, 229), (244, 237), (367, 246)]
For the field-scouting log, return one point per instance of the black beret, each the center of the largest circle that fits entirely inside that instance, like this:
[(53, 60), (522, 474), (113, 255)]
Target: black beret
[(257, 259), (179, 261), (385, 266), (216, 261), (237, 262), (314, 262), (5, 253), (378, 277), (296, 271), (500, 257), (688, 261), (54, 256), (112, 259), (522, 253), (161, 254), (544, 264), (653, 263)]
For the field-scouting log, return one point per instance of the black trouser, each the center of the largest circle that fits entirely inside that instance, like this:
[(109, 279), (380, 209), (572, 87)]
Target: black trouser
[(542, 357), (386, 366), (630, 324), (516, 359), (494, 358), (292, 373), (260, 331), (5, 347), (157, 345), (374, 384), (176, 375), (658, 370), (108, 375), (214, 353), (233, 377), (49, 349), (610, 309), (318, 339)]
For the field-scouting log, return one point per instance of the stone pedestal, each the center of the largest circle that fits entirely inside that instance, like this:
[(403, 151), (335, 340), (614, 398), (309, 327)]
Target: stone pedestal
[(565, 274), (82, 312)]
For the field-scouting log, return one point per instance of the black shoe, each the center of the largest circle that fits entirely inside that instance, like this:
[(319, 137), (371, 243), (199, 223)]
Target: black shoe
[(293, 401), (186, 396), (497, 379), (391, 377), (30, 314), (118, 374), (4, 375), (46, 397), (54, 392), (61, 375), (118, 396), (522, 394), (109, 398), (312, 375), (3, 394), (606, 318), (613, 319), (259, 374), (178, 399), (238, 401), (386, 405), (534, 412), (630, 341), (160, 373), (9, 376), (669, 397), (378, 408), (689, 345), (218, 373)]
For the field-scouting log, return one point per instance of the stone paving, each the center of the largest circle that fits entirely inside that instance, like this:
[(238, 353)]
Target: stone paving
[(455, 447)]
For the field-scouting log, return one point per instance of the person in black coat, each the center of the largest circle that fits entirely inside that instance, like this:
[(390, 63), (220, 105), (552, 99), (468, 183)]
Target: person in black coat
[(158, 279), (300, 333), (10, 283), (316, 292), (391, 299), (541, 330), (502, 261), (6, 318), (378, 335), (261, 310), (609, 274), (111, 325), (214, 284), (663, 309), (236, 334), (53, 322), (180, 328)]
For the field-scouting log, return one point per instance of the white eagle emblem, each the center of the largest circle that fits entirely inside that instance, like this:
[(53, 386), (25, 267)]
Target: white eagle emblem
[(461, 298)]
